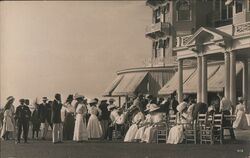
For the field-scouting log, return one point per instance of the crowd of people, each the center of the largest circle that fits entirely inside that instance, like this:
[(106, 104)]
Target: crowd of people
[(137, 120)]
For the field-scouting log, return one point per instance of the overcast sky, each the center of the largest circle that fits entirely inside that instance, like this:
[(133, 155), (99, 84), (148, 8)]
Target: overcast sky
[(68, 47)]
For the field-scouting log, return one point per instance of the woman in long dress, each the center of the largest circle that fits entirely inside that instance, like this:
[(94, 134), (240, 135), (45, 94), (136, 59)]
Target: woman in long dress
[(156, 118), (176, 133), (80, 130), (94, 127), (8, 125), (69, 121), (136, 121), (143, 126), (240, 111)]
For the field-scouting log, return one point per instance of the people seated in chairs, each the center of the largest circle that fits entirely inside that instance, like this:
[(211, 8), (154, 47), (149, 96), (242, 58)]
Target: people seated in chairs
[(143, 125), (176, 133), (136, 121), (240, 111), (156, 120)]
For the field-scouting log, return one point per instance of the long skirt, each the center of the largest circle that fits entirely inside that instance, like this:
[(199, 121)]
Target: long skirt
[(139, 133), (130, 135), (240, 121), (8, 126), (68, 127), (149, 134), (94, 127), (176, 135), (80, 130)]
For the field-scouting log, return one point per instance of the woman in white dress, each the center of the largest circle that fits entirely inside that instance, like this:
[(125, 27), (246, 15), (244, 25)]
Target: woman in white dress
[(176, 133), (240, 111), (156, 118), (94, 127), (136, 121), (146, 123), (80, 130), (8, 125)]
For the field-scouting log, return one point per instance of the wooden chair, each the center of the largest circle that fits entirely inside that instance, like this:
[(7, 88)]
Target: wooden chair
[(230, 119), (217, 128), (206, 128), (161, 133), (171, 122), (190, 132)]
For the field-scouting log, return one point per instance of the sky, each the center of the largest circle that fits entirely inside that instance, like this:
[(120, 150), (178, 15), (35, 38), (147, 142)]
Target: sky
[(50, 47)]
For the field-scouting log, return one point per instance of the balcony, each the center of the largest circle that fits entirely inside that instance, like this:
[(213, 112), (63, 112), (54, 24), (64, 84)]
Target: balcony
[(157, 30), (155, 3)]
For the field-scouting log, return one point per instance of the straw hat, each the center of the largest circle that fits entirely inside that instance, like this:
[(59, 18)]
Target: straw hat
[(181, 106), (111, 107), (240, 99), (91, 101), (10, 98), (44, 98), (153, 107)]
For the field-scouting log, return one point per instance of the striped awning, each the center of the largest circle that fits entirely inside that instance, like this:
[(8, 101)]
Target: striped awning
[(129, 83), (216, 82), (172, 84), (111, 87), (216, 79)]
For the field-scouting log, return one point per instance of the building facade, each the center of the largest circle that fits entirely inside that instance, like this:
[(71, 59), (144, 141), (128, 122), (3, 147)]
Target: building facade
[(202, 39)]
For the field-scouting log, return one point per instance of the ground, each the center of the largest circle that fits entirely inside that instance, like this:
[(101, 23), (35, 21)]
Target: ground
[(107, 149)]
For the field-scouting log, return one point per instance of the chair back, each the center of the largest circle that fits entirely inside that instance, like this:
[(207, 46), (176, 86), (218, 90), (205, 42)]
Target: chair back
[(171, 120)]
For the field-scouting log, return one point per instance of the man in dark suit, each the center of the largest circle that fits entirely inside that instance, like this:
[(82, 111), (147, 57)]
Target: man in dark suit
[(45, 117), (56, 120), (173, 102), (22, 118)]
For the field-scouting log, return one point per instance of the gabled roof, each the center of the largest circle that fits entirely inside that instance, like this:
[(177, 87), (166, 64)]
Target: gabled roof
[(217, 35)]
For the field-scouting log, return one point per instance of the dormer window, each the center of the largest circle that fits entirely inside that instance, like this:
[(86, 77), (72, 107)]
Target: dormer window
[(183, 10), (238, 6)]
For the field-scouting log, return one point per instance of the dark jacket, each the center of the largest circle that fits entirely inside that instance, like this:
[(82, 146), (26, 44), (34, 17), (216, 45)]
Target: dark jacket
[(105, 112), (44, 112), (174, 103), (199, 108), (56, 112), (23, 114)]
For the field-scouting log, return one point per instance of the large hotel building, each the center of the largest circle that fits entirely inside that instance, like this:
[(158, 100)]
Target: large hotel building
[(199, 48)]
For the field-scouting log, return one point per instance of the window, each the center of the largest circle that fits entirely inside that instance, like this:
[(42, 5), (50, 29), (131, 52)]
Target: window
[(155, 48), (239, 6), (226, 12), (183, 10), (248, 5), (157, 15)]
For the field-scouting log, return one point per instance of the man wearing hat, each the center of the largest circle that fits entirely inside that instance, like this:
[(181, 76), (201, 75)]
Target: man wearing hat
[(45, 117), (104, 118), (22, 118), (57, 133)]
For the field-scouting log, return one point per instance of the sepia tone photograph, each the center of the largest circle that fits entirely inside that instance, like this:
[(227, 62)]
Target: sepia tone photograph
[(125, 79)]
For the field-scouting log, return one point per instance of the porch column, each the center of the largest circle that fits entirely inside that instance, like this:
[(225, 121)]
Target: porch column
[(227, 75), (199, 80), (245, 80), (180, 78), (204, 80), (233, 78)]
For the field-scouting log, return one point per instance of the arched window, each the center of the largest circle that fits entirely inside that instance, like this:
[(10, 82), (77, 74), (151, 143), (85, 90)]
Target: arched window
[(183, 10)]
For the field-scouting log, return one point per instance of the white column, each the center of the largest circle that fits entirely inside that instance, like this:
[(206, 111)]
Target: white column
[(199, 80), (245, 80), (233, 78), (180, 78), (204, 80), (227, 75)]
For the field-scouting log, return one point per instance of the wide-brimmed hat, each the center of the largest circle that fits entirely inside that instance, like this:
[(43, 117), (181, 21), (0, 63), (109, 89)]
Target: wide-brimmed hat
[(147, 107), (10, 98), (153, 107), (78, 96), (91, 101), (181, 106), (44, 98), (111, 100)]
